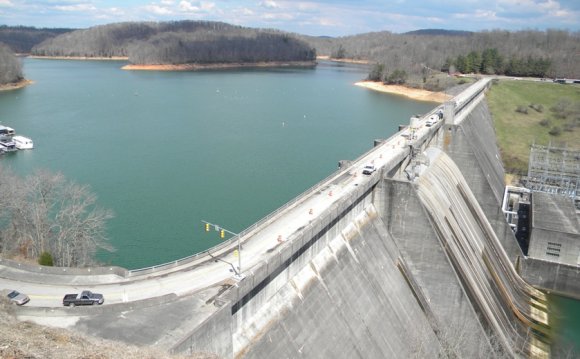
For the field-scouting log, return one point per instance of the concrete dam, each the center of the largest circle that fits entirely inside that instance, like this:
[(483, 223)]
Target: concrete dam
[(413, 260)]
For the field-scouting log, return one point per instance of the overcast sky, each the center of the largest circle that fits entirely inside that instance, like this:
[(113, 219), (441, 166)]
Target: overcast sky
[(314, 17)]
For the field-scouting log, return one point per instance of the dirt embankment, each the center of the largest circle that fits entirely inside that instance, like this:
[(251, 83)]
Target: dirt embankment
[(233, 65), (15, 85), (348, 61), (415, 94), (111, 58)]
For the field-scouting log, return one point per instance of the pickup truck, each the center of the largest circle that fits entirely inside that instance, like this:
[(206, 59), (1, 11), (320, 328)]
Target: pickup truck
[(86, 297)]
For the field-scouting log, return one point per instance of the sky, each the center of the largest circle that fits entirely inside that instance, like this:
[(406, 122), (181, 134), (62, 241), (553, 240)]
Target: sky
[(309, 17)]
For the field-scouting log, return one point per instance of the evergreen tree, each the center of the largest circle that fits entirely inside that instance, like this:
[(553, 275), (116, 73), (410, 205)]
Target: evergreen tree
[(473, 62), (377, 73)]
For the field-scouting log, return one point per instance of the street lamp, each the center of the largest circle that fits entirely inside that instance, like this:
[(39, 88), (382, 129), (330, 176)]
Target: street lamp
[(222, 233)]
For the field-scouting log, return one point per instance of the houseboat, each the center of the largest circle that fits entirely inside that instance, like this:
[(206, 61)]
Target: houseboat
[(23, 143), (7, 131)]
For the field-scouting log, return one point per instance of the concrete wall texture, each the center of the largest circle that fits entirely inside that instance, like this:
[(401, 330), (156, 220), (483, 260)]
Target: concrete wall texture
[(555, 229)]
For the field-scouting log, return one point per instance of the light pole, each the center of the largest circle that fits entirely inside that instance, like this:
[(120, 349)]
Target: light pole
[(222, 231)]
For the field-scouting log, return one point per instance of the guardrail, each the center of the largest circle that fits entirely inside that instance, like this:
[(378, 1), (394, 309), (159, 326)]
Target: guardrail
[(473, 91)]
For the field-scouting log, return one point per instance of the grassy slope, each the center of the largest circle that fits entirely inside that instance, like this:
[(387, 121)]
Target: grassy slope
[(516, 131)]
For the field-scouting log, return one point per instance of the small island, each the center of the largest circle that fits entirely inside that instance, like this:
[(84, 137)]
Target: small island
[(180, 46)]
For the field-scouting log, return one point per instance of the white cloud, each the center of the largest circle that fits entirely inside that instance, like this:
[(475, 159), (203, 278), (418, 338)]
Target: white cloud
[(307, 7), (110, 13), (76, 7), (270, 4), (328, 22), (167, 2), (247, 12), (278, 16), (196, 7), (158, 10), (207, 6), (187, 6), (486, 14), (6, 3)]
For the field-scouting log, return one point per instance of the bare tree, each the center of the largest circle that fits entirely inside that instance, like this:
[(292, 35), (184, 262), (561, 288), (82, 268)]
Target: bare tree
[(47, 213), (10, 67), (179, 42)]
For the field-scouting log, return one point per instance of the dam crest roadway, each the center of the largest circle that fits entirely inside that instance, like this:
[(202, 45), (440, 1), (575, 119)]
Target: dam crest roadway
[(412, 260)]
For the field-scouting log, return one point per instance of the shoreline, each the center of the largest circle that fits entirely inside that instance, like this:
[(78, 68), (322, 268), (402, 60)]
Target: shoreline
[(347, 61), (80, 58), (233, 65), (16, 85), (415, 94)]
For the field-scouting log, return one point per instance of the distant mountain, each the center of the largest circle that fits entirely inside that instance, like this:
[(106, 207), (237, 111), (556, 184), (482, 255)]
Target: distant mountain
[(441, 32), (21, 39)]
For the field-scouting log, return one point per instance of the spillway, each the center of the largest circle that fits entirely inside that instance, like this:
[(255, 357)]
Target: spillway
[(510, 306)]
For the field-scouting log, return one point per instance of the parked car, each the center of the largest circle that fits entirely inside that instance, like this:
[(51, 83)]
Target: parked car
[(86, 297), (369, 169), (18, 298)]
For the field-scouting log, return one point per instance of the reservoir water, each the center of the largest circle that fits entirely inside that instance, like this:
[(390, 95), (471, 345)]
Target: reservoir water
[(166, 150)]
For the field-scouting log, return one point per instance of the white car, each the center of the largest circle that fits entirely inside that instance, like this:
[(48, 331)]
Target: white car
[(369, 169), (18, 298), (431, 121)]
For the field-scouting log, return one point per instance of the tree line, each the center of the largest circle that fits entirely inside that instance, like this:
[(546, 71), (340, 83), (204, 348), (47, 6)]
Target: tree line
[(44, 217), (490, 62), (178, 42), (418, 51), (10, 67), (21, 39)]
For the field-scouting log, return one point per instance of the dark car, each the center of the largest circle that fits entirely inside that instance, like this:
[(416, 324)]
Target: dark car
[(86, 297)]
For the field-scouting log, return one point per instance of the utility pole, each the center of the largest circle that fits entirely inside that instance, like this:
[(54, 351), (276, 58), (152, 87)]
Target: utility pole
[(222, 233)]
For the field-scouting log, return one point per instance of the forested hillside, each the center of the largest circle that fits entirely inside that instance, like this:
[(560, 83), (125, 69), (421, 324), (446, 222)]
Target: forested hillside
[(178, 42), (419, 52), (10, 67), (21, 39)]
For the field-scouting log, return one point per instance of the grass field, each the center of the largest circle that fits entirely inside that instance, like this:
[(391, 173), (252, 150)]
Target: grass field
[(528, 112)]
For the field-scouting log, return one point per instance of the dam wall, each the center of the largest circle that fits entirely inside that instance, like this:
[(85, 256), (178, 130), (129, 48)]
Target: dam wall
[(472, 146), (408, 224), (551, 276), (350, 300)]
